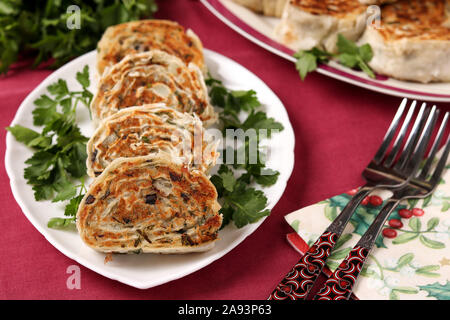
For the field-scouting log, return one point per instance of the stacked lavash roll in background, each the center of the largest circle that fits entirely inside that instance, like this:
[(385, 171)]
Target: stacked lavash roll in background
[(410, 39), (150, 155)]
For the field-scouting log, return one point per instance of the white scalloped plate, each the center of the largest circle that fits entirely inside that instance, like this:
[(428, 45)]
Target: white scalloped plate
[(259, 29), (145, 270)]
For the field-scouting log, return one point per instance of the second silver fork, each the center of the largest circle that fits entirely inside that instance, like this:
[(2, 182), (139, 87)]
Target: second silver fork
[(387, 170)]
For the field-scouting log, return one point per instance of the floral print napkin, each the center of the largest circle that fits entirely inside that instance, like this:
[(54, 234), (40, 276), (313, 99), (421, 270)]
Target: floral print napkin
[(411, 258)]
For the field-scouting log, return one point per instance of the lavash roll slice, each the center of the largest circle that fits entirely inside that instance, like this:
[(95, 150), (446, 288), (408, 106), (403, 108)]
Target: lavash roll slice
[(144, 35), (142, 130), (150, 204), (306, 24), (413, 41), (152, 77)]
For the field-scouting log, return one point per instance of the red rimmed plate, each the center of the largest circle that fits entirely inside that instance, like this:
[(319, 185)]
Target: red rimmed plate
[(259, 29)]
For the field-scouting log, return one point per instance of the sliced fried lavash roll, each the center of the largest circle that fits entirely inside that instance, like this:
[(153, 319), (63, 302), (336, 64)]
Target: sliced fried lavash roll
[(152, 77), (145, 35), (306, 24), (413, 41), (149, 204), (142, 130)]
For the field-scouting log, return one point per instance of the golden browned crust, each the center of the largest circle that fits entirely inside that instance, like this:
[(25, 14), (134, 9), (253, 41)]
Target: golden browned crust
[(306, 24), (149, 204), (139, 131), (416, 19), (145, 35), (152, 77), (336, 8)]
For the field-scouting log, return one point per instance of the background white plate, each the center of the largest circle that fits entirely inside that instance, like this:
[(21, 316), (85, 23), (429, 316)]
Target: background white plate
[(259, 29), (145, 270)]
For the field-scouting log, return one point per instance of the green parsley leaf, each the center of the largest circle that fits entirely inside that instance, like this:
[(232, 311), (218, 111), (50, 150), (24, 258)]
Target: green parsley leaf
[(43, 192), (307, 60), (232, 102), (242, 203), (247, 100), (70, 210), (76, 152), (228, 179), (265, 176), (67, 193), (250, 206), (72, 207), (58, 89), (60, 223), (366, 52), (259, 120), (346, 46), (23, 134), (45, 102), (83, 77), (352, 56), (348, 60), (227, 214)]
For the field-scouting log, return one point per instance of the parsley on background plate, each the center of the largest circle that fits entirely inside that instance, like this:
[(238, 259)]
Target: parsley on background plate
[(349, 55)]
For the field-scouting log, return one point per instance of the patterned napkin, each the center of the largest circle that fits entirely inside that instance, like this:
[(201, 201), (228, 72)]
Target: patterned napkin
[(411, 258)]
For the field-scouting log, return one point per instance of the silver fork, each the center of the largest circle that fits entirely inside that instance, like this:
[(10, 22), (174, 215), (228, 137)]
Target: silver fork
[(389, 169), (340, 284)]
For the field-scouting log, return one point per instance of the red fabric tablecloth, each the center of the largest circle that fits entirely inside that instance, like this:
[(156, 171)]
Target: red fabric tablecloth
[(337, 128)]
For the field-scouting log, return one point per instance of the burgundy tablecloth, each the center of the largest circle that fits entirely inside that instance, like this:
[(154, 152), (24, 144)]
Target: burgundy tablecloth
[(337, 128)]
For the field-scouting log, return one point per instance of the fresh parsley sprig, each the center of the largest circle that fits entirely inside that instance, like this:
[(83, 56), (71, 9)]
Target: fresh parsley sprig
[(242, 203), (233, 102), (349, 55), (63, 97), (59, 158)]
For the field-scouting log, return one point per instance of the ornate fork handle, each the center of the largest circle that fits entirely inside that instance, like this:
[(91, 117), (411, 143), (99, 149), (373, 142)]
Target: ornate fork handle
[(339, 285), (299, 281)]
